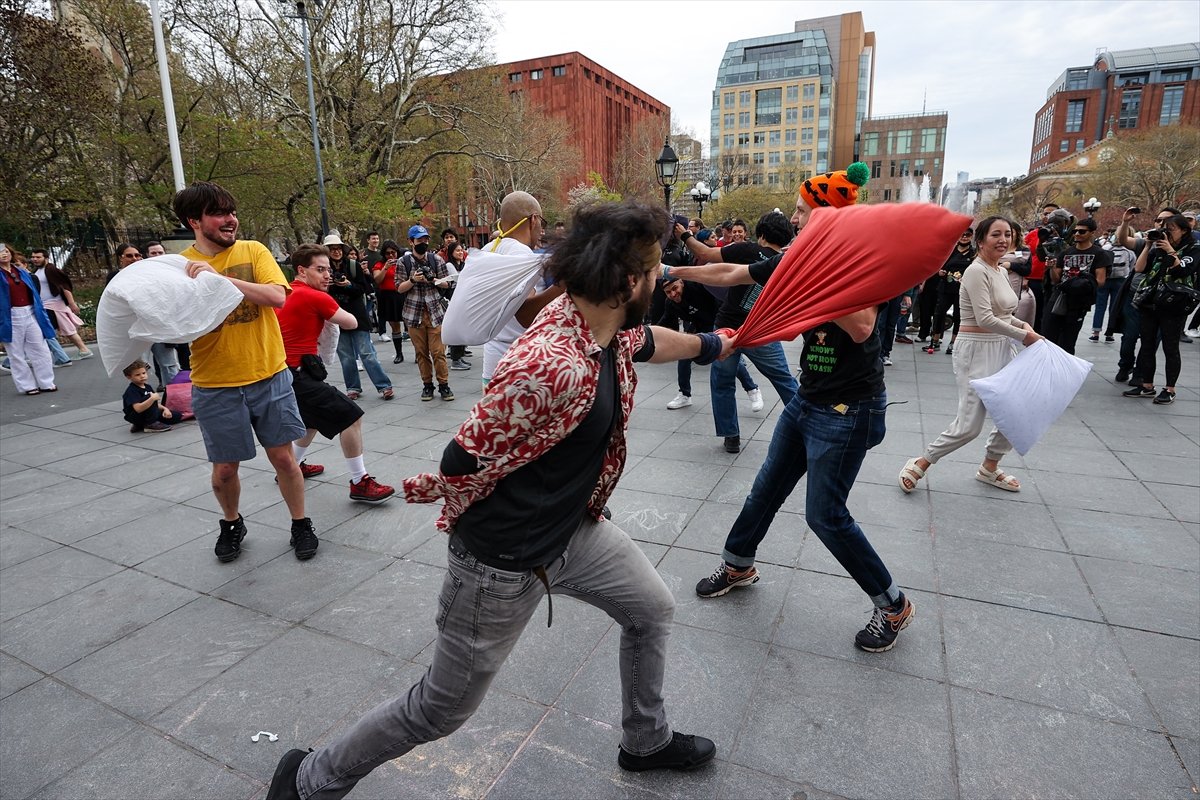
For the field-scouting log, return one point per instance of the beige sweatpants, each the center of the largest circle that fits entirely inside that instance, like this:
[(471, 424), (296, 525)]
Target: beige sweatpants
[(976, 355)]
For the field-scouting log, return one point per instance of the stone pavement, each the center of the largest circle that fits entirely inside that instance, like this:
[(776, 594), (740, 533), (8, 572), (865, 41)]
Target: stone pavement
[(1055, 652)]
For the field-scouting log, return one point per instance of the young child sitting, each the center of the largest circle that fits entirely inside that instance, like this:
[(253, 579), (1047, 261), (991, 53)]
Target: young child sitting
[(143, 406)]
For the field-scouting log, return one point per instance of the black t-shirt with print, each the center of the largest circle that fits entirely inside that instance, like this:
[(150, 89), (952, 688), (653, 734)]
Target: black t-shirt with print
[(833, 367), (739, 299)]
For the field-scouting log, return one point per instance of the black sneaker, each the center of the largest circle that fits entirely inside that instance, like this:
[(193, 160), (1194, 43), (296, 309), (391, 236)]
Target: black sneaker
[(1108, 337), (304, 539), (885, 625), (229, 540), (733, 444), (399, 359), (1122, 376), (1139, 391), (1095, 337), (725, 580), (283, 782), (684, 752), (427, 392), (1165, 398), (444, 391)]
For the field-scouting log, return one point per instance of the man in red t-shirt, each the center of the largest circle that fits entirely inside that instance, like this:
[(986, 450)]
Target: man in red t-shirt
[(322, 407)]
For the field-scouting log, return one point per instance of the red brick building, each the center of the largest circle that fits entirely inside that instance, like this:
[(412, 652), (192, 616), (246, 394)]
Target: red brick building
[(1124, 91), (599, 105)]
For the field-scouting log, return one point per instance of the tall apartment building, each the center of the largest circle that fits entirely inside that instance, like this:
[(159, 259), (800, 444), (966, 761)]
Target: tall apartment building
[(789, 105), (901, 150), (1122, 92)]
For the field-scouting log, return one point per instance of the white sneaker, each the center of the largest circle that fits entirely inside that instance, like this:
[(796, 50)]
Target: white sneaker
[(360, 366), (384, 337), (756, 401), (681, 401), (887, 361), (1193, 333)]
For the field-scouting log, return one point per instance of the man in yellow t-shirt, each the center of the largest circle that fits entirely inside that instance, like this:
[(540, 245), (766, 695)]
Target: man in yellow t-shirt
[(241, 385)]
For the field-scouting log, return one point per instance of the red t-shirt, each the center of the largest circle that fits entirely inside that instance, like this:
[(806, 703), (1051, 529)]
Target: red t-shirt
[(301, 320), (388, 282)]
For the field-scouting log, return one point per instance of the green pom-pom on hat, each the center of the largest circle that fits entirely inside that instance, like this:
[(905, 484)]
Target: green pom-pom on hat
[(858, 173)]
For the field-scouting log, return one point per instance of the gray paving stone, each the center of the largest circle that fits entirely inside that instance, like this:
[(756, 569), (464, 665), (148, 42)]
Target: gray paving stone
[(907, 554), (1177, 470), (293, 590), (1074, 461), (17, 546), (1124, 537), (183, 484), (59, 729), (734, 487), (125, 467), (48, 447), (39, 580), (276, 689), (155, 666), (195, 566), (148, 766), (1018, 576), (167, 527), (750, 612), (1168, 669), (258, 492), (710, 526), (1182, 502), (392, 611), (394, 528), (1189, 753), (995, 519), (15, 676), (54, 635), (1062, 755), (89, 510), (650, 516), (1145, 597), (19, 479), (676, 478), (1063, 663), (805, 725)]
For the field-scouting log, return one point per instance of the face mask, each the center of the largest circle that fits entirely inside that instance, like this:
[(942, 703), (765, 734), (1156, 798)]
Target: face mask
[(421, 249)]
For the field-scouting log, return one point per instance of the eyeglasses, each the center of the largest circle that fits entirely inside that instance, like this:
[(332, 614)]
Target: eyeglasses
[(322, 270), (1082, 231), (1161, 220)]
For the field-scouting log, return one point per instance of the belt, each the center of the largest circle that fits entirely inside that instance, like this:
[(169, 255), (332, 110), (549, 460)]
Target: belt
[(458, 548)]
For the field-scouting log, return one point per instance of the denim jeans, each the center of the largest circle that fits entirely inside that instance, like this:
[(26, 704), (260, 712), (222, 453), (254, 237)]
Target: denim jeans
[(1106, 300), (356, 345), (771, 362), (684, 370), (1129, 336), (830, 447), (482, 611), (885, 326), (56, 350), (902, 320)]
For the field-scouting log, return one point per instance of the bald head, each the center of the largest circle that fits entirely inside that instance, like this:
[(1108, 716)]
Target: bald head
[(517, 206)]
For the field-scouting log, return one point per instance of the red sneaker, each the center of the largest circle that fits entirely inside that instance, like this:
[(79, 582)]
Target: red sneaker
[(310, 470), (370, 490)]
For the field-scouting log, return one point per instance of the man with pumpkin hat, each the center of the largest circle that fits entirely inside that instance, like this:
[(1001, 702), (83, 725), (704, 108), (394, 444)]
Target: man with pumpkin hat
[(824, 432)]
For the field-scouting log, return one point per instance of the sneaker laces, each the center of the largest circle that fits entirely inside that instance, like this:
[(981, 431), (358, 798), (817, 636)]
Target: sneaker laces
[(878, 620), (721, 570)]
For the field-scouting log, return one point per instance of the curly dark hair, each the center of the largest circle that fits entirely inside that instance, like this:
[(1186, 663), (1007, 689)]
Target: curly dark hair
[(202, 197), (606, 245)]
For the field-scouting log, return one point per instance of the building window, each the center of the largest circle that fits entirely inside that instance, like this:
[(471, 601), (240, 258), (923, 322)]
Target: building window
[(757, 179), (808, 113), (744, 99), (919, 167), (891, 169), (870, 144), (743, 140), (727, 142), (789, 157), (928, 140), (887, 195), (514, 77), (773, 137), (806, 156), (728, 120), (558, 72), (1131, 108), (1074, 122), (1139, 79), (743, 119), (904, 141), (810, 91), (1076, 79), (757, 159), (792, 116), (535, 74), (729, 99), (768, 106), (760, 138), (806, 136), (904, 168), (1078, 145), (789, 136), (1177, 76), (1172, 105), (793, 94), (1064, 145), (773, 179), (773, 158), (876, 169)]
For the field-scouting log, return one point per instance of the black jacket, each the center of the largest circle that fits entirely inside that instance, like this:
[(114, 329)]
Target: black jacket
[(352, 296)]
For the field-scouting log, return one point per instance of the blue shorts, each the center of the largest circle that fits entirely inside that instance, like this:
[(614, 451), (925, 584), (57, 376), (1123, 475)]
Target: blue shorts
[(231, 416)]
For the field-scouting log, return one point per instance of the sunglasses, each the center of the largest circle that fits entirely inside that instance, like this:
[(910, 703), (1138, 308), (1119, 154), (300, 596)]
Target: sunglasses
[(1082, 231)]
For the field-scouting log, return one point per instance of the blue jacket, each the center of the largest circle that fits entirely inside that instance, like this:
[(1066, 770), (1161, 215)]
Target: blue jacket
[(39, 313)]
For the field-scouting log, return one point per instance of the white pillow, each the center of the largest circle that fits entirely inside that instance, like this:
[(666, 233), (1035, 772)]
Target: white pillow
[(489, 291)]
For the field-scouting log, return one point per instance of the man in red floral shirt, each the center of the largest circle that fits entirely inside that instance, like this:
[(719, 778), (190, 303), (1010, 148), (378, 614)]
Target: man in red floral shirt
[(524, 482)]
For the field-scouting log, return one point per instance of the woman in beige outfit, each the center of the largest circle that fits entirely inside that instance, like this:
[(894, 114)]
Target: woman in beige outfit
[(985, 346)]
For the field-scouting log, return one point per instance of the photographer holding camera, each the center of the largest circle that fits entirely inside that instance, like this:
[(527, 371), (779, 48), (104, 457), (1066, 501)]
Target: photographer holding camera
[(1037, 263), (350, 286), (423, 310)]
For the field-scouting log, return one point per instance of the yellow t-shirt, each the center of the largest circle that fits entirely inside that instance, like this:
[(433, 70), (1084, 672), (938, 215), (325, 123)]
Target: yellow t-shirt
[(246, 347)]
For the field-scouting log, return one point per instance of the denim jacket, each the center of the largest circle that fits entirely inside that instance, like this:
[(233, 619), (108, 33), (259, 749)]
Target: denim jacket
[(542, 389), (39, 313)]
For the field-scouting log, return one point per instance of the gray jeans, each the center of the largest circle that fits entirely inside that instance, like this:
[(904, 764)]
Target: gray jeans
[(482, 611)]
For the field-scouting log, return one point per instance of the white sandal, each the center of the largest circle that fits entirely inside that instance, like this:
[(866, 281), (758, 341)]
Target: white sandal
[(998, 479), (910, 469)]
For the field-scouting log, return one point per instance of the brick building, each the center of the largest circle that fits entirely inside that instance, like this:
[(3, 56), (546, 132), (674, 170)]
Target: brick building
[(1122, 92), (901, 151)]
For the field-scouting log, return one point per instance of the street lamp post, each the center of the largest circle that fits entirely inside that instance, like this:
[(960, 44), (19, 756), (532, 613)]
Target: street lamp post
[(1092, 206), (665, 167), (312, 116), (700, 193)]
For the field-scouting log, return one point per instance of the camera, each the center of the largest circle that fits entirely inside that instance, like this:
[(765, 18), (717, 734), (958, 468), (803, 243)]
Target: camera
[(1050, 243), (1134, 210), (425, 271), (1156, 235)]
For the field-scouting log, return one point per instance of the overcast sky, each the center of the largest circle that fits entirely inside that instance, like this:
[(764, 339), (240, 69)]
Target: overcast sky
[(987, 63)]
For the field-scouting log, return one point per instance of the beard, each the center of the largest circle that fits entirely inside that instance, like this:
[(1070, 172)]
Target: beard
[(636, 308)]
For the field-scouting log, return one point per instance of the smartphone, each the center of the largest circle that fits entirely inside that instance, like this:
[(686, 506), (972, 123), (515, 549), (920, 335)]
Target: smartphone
[(1134, 210)]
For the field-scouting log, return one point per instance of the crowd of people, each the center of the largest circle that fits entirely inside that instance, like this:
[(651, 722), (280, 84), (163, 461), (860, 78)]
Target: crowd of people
[(525, 480)]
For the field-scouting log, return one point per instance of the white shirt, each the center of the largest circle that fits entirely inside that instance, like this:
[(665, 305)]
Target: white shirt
[(494, 350)]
